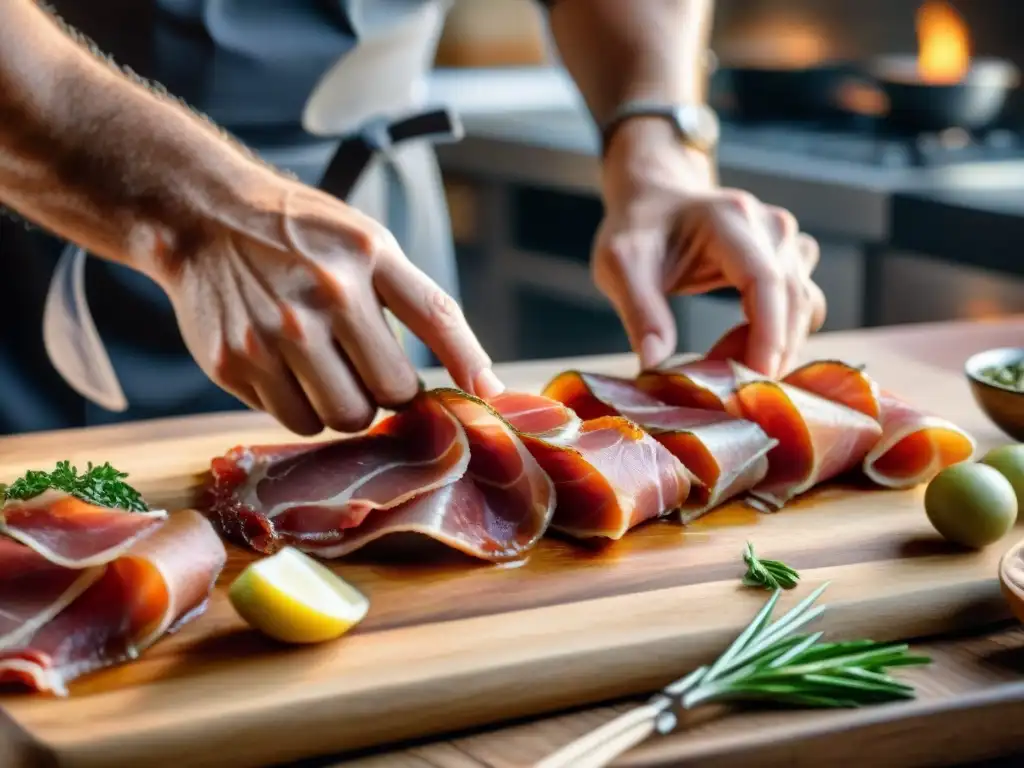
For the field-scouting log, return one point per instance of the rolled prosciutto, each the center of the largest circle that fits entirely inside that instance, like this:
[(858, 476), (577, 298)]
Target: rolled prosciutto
[(84, 587), (610, 475), (914, 445), (728, 456)]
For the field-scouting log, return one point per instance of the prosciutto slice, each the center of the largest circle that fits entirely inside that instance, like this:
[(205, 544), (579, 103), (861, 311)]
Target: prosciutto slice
[(70, 532), (609, 474), (727, 455), (707, 382), (914, 445), (498, 510), (448, 467), (59, 622), (270, 495), (817, 438), (538, 416)]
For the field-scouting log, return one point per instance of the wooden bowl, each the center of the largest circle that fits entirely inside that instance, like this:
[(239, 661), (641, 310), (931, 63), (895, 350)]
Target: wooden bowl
[(1011, 578), (1003, 406)]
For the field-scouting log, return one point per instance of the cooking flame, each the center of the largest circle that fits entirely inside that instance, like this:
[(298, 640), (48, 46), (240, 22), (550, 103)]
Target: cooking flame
[(944, 54)]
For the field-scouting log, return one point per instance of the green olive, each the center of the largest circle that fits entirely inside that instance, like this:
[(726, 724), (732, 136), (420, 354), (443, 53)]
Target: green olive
[(1009, 461), (971, 504)]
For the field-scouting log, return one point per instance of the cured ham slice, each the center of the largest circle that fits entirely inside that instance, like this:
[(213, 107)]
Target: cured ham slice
[(33, 590), (62, 622), (707, 382), (727, 455), (497, 511), (449, 468), (538, 416), (73, 533), (609, 476), (817, 438), (701, 383), (269, 496), (914, 445)]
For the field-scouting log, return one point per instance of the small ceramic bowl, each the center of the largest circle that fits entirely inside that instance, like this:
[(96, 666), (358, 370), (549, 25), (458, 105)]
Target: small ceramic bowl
[(1004, 405)]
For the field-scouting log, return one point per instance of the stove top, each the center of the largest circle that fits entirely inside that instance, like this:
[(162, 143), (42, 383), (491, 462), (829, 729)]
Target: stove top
[(867, 144)]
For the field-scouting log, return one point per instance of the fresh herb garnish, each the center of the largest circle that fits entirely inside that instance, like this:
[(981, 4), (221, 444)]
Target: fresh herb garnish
[(103, 486), (1011, 375), (768, 662), (770, 574)]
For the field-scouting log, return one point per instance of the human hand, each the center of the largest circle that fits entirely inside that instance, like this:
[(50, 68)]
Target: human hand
[(669, 229), (280, 299)]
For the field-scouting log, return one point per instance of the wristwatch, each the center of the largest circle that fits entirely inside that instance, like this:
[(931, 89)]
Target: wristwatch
[(695, 124)]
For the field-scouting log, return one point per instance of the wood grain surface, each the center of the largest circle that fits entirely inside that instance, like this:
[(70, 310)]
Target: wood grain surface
[(969, 709), (450, 643)]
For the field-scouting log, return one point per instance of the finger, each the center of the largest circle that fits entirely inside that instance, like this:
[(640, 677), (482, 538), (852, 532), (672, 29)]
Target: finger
[(330, 385), (246, 394), (785, 232), (278, 391), (798, 325), (749, 262), (436, 318), (372, 349), (809, 253), (629, 271), (284, 399), (819, 307)]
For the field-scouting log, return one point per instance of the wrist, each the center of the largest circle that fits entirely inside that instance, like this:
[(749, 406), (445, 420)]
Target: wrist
[(646, 153)]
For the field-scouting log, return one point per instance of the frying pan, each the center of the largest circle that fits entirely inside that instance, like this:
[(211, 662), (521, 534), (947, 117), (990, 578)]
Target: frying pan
[(784, 93), (915, 106)]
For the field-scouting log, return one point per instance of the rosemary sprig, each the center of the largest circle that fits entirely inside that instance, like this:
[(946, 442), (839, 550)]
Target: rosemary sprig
[(102, 485), (769, 574), (769, 662)]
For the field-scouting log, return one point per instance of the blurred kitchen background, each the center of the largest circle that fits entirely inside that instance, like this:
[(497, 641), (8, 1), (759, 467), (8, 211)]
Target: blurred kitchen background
[(892, 129)]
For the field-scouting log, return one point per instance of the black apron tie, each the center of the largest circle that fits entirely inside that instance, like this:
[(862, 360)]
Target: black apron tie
[(379, 136)]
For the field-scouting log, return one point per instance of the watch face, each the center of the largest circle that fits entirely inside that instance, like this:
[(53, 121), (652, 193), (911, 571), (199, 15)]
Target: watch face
[(700, 124)]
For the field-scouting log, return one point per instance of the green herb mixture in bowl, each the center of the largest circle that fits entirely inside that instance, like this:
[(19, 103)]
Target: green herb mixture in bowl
[(996, 377)]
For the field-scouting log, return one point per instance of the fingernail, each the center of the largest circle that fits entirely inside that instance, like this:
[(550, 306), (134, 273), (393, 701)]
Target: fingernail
[(652, 350), (487, 384)]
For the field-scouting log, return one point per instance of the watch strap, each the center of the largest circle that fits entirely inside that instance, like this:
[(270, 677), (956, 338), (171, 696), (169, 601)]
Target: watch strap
[(683, 118)]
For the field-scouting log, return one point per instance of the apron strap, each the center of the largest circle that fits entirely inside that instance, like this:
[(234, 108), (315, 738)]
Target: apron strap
[(378, 137)]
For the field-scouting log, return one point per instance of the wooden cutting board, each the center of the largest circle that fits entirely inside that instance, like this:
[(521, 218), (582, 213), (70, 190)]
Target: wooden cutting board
[(451, 643)]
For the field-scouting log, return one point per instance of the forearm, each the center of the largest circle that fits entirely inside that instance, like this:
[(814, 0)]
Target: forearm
[(651, 50), (618, 50), (98, 158)]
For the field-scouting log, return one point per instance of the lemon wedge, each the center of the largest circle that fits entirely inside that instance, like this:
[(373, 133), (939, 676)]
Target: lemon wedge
[(291, 597)]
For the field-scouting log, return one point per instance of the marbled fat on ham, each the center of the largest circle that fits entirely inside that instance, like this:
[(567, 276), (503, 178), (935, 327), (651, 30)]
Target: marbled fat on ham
[(728, 456), (448, 467), (538, 416), (66, 611)]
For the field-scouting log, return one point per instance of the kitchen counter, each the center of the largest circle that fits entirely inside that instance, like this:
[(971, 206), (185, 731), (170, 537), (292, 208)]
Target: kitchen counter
[(982, 226), (558, 147)]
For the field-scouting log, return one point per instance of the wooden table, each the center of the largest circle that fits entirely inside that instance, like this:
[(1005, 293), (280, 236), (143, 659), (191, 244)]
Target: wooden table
[(977, 680)]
